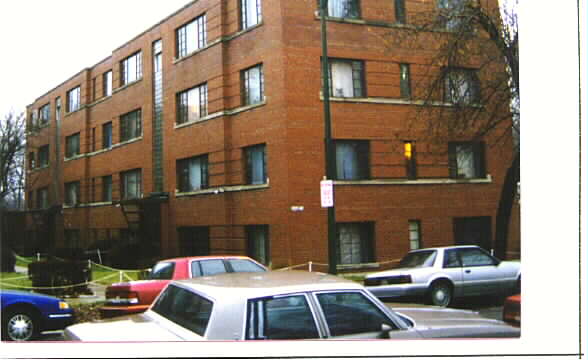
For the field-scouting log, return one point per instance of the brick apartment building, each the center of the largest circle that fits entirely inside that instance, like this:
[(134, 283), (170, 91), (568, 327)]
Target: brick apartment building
[(205, 135)]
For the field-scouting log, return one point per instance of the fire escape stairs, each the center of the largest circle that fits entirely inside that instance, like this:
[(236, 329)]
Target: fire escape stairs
[(132, 212)]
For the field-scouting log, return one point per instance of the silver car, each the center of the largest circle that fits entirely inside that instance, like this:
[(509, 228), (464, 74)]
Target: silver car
[(281, 305), (441, 275)]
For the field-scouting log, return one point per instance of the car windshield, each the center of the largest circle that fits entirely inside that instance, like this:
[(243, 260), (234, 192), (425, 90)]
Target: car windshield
[(419, 259), (162, 271)]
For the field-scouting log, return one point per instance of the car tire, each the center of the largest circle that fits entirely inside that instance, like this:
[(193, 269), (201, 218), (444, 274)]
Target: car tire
[(440, 293), (20, 324)]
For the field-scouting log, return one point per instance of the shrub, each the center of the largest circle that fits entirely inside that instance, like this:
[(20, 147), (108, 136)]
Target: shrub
[(60, 278)]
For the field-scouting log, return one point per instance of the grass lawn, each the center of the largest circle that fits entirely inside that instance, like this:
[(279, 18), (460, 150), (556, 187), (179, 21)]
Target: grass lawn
[(14, 281)]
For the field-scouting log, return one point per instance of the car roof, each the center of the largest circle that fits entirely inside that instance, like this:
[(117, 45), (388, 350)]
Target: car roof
[(206, 257), (269, 283), (447, 247)]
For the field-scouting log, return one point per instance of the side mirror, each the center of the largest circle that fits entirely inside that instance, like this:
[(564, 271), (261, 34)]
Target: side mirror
[(385, 332)]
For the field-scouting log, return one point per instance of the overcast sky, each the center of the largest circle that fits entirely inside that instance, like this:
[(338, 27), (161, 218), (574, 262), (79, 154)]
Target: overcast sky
[(47, 42)]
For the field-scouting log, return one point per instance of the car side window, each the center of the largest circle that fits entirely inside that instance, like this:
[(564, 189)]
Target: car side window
[(184, 308), (349, 313), (284, 317), (451, 259), (244, 265), (212, 267), (476, 257), (162, 271)]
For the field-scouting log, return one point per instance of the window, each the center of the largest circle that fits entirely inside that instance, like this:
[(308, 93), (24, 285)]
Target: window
[(131, 69), (256, 159), (250, 13), (467, 160), (405, 88), (344, 9), (244, 265), (107, 135), (194, 241), (461, 86), (31, 160), (72, 193), (58, 109), (185, 308), (280, 317), (73, 99), (258, 243), (400, 11), (410, 159), (349, 313), (107, 83), (193, 173), (450, 13), (93, 140), (72, 145), (352, 159), (252, 85), (43, 198), (355, 243), (414, 234), (476, 257), (131, 184), (130, 125), (107, 188), (44, 114), (94, 90), (43, 156), (162, 271), (346, 78), (192, 104), (191, 37)]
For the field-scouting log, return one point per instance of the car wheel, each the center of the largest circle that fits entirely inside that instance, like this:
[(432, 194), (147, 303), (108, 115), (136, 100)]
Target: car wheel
[(440, 294), (20, 325)]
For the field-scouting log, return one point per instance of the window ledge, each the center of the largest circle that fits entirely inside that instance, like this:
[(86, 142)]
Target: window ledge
[(222, 189), (197, 51), (126, 142), (447, 181), (390, 101), (38, 169), (70, 113), (75, 157), (101, 100), (222, 113), (121, 88), (241, 32)]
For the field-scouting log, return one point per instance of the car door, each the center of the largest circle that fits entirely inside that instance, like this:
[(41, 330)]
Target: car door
[(453, 269), (353, 315), (285, 317), (480, 272)]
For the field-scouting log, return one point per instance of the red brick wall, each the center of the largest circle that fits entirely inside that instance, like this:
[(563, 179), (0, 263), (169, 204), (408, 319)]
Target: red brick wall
[(290, 123)]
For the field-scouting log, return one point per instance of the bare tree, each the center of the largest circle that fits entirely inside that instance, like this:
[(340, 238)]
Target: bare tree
[(12, 148), (470, 82)]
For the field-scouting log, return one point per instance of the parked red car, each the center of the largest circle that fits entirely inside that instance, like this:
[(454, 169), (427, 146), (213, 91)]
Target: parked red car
[(136, 296), (511, 312)]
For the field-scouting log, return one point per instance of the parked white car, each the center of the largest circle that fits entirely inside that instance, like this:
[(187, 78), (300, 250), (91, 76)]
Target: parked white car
[(443, 274), (282, 305)]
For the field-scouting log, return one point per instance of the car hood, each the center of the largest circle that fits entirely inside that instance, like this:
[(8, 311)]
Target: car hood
[(121, 329), (433, 322)]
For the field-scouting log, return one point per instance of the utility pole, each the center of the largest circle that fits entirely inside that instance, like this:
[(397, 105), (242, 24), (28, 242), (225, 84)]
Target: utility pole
[(330, 169)]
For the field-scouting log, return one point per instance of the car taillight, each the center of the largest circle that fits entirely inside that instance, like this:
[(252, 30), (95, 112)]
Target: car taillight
[(122, 298)]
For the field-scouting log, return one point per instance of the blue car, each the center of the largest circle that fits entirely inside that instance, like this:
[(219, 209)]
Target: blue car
[(25, 315)]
